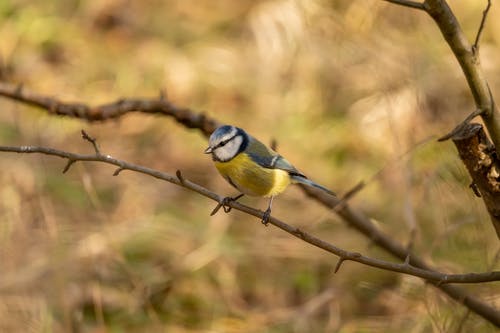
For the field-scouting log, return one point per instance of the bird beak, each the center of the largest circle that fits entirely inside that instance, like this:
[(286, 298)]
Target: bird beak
[(208, 150)]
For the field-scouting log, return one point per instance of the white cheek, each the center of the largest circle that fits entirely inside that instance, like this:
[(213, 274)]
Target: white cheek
[(229, 150)]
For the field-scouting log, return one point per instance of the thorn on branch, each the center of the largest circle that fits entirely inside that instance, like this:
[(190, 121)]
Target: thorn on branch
[(339, 263), (68, 165), (407, 260), (179, 176), (216, 209), (117, 171), (92, 140)]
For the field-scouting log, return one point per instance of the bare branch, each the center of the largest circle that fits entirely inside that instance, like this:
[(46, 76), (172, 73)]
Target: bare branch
[(112, 110), (404, 268), (355, 219), (364, 225), (407, 3), (464, 53), (475, 47)]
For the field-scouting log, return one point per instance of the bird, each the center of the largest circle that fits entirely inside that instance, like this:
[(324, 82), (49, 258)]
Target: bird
[(251, 167)]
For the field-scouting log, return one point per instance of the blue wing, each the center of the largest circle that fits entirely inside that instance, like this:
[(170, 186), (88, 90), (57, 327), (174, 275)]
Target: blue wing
[(268, 158)]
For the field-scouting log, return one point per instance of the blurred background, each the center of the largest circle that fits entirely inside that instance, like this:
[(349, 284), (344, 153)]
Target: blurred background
[(348, 89)]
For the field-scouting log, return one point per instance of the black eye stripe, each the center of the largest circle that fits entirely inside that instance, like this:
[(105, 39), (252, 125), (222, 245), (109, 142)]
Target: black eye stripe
[(223, 143)]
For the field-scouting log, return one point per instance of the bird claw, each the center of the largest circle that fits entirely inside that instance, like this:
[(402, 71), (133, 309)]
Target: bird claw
[(266, 217), (224, 204)]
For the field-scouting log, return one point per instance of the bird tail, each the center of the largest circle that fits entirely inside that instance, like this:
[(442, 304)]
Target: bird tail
[(308, 182)]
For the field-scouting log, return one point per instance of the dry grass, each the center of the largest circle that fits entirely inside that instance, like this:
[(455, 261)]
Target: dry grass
[(345, 87)]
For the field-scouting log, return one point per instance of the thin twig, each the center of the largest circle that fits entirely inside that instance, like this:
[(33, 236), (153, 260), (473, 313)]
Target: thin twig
[(348, 195), (468, 311), (468, 119), (365, 226), (452, 32), (407, 3), (475, 47), (404, 268), (92, 140)]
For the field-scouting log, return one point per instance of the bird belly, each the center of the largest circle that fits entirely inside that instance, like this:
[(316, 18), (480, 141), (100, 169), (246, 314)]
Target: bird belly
[(252, 179)]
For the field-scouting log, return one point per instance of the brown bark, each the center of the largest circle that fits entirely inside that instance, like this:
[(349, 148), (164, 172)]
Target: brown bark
[(480, 157)]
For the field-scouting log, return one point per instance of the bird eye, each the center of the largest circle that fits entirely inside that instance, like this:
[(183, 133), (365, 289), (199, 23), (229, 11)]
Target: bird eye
[(222, 144)]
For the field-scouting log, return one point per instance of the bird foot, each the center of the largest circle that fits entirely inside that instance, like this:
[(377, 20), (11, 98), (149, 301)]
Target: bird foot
[(266, 217), (224, 204)]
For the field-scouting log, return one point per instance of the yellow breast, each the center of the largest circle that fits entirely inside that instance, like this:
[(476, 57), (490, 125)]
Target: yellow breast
[(252, 179)]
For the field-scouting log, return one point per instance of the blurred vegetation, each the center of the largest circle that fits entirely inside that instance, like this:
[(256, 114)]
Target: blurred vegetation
[(345, 87)]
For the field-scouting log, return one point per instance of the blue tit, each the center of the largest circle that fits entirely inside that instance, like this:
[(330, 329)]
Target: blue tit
[(251, 167)]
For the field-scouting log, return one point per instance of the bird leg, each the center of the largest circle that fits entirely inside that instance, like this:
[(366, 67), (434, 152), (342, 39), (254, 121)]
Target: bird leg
[(225, 204), (267, 213)]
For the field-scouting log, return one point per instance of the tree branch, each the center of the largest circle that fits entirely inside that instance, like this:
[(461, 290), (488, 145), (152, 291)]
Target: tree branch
[(468, 58), (410, 266), (180, 180), (112, 110), (364, 225), (469, 62), (355, 219), (481, 160)]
